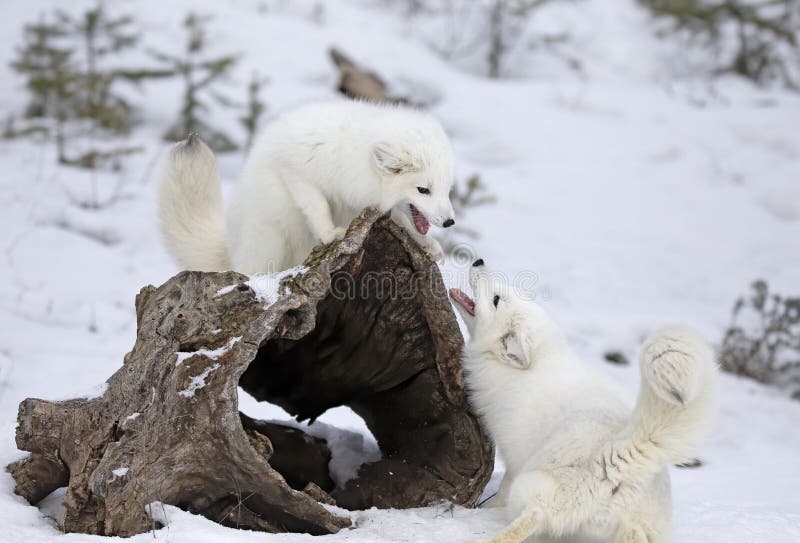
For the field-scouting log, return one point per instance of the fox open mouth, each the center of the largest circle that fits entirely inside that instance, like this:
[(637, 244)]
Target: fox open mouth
[(461, 298), (420, 222)]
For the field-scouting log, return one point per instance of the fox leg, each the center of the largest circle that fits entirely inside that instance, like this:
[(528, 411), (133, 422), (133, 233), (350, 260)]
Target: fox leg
[(631, 534), (315, 208), (648, 521), (521, 528), (529, 495), (429, 244)]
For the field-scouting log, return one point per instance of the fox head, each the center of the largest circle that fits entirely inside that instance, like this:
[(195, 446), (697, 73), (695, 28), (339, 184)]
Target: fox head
[(504, 327), (416, 175)]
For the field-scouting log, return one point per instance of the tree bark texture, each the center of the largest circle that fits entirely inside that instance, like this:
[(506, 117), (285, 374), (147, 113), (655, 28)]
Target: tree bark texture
[(365, 323)]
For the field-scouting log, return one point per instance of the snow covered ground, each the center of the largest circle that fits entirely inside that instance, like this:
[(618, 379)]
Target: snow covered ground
[(621, 205)]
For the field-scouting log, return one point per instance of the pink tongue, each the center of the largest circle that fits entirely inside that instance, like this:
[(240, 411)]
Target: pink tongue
[(462, 298), (420, 221)]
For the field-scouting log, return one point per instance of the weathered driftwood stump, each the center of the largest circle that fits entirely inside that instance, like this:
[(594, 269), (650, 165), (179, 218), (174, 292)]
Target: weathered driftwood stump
[(365, 324)]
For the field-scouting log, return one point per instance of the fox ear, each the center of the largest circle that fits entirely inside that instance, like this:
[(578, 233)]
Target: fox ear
[(393, 161), (517, 350)]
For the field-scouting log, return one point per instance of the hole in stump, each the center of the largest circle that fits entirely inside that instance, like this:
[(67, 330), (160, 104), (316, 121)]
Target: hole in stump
[(327, 452)]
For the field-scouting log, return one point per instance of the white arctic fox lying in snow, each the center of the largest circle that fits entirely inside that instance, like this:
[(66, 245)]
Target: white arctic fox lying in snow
[(578, 461), (308, 175)]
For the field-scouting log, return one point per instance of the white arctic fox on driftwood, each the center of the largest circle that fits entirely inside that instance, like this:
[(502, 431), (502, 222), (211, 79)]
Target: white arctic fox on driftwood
[(578, 461), (308, 175)]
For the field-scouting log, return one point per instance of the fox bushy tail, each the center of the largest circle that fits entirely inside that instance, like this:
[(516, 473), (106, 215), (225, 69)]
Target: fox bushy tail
[(674, 410), (190, 207)]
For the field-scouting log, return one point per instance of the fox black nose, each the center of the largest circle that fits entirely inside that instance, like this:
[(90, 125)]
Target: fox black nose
[(477, 263), (448, 223)]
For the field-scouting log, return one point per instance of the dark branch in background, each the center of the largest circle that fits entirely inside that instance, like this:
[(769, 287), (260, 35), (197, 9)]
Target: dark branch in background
[(507, 27), (765, 35), (763, 340), (465, 198), (507, 20), (254, 107), (491, 29)]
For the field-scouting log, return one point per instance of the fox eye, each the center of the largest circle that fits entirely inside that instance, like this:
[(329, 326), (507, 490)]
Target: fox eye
[(424, 190), (496, 300)]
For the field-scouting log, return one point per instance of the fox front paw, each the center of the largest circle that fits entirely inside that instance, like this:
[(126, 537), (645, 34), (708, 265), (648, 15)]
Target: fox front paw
[(433, 248), (333, 234)]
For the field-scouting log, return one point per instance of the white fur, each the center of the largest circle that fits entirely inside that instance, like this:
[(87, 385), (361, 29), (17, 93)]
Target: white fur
[(190, 208), (578, 461), (308, 175)]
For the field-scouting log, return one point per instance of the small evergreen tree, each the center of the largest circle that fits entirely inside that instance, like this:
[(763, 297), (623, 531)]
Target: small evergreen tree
[(71, 81), (254, 109), (200, 73), (103, 109), (40, 60), (101, 37), (51, 77)]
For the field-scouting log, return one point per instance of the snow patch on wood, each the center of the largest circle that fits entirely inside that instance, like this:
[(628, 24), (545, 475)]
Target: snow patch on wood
[(267, 286), (93, 393), (225, 290), (198, 382), (213, 354)]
